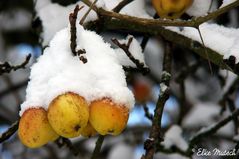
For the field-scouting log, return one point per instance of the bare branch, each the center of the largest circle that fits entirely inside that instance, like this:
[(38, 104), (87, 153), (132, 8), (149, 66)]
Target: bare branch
[(155, 136), (147, 113), (61, 141), (7, 68), (195, 22), (72, 19), (210, 130), (121, 5), (11, 130), (98, 146), (87, 13), (126, 47)]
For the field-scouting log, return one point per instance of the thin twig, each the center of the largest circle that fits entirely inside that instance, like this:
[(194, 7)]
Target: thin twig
[(87, 13), (121, 5), (73, 44), (98, 146), (185, 72), (126, 47), (210, 130), (147, 113), (232, 107), (11, 130), (72, 19), (61, 141), (7, 67), (205, 49)]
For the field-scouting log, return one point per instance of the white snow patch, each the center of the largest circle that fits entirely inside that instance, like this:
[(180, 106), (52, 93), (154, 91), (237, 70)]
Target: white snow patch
[(198, 8), (135, 8), (56, 17), (58, 71), (135, 49), (121, 151), (173, 137), (201, 115), (219, 38), (227, 2), (163, 87)]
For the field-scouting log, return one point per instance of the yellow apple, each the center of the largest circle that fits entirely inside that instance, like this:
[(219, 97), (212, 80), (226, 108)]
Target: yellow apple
[(88, 131), (68, 114), (171, 9), (34, 129), (108, 117)]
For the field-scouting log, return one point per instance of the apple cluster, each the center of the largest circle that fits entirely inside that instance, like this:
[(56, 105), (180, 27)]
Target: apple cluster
[(70, 116), (69, 98)]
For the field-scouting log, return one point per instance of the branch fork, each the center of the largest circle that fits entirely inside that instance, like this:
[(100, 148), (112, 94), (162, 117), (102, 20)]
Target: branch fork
[(125, 47)]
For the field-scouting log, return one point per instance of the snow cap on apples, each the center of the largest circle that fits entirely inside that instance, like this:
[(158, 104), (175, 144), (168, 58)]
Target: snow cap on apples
[(57, 71)]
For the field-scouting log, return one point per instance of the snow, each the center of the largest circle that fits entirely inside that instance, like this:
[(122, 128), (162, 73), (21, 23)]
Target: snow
[(50, 13), (135, 8), (201, 115), (107, 4), (41, 3), (173, 137), (227, 2), (135, 49), (58, 71), (223, 40), (163, 88), (199, 8), (121, 150), (153, 53), (56, 17)]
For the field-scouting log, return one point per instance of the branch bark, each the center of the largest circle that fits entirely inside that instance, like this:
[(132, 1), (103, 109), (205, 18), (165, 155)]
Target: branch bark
[(98, 146), (11, 130), (155, 135), (7, 67), (116, 21)]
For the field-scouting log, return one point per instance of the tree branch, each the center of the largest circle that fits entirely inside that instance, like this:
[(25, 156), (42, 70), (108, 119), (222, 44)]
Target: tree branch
[(73, 44), (210, 130), (61, 141), (7, 68), (98, 146), (121, 5), (195, 22), (147, 113), (126, 47), (11, 130), (155, 135), (131, 24)]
